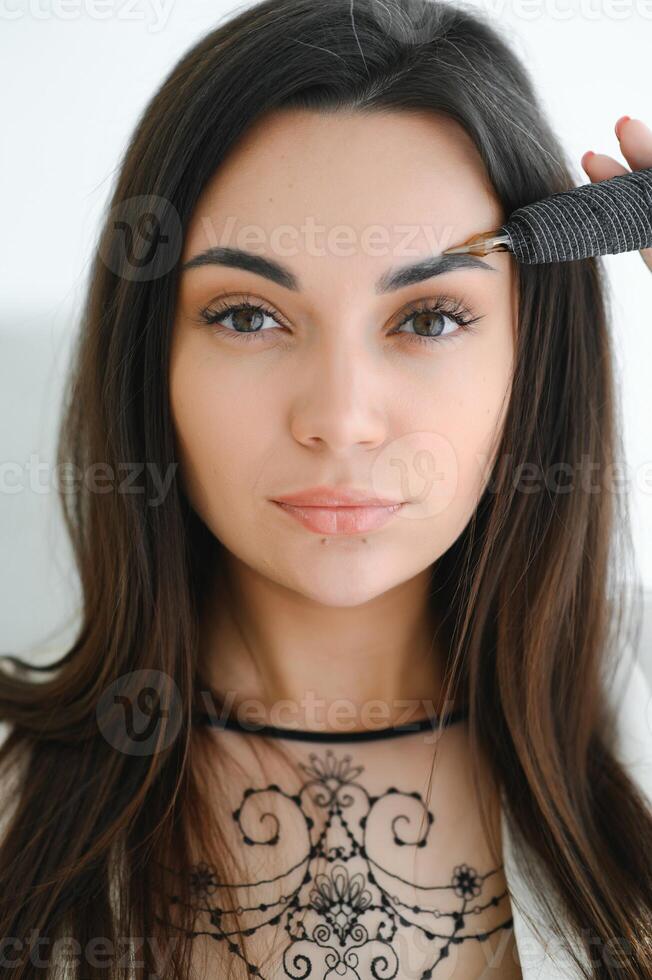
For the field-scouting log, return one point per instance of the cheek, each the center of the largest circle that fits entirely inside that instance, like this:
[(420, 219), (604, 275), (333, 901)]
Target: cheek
[(220, 434), (466, 409)]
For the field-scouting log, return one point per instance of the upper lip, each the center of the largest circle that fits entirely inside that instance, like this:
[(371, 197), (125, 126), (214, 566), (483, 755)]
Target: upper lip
[(336, 497)]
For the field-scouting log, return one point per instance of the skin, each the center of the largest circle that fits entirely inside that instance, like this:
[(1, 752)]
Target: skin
[(328, 394)]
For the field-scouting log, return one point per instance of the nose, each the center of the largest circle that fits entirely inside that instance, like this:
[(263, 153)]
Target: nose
[(343, 399)]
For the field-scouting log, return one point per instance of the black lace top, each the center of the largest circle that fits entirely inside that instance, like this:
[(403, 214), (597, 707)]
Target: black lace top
[(351, 876)]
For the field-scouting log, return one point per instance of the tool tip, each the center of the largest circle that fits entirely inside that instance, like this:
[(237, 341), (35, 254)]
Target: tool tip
[(457, 249)]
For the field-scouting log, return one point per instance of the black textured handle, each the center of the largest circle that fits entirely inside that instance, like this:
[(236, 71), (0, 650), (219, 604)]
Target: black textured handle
[(601, 218)]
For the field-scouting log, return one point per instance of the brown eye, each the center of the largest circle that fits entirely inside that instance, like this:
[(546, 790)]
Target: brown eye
[(427, 324), (429, 321), (247, 319)]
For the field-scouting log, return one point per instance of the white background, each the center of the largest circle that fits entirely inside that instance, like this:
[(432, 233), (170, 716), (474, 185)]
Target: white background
[(74, 78)]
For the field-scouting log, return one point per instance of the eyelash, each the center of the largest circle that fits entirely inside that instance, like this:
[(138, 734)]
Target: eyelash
[(449, 306)]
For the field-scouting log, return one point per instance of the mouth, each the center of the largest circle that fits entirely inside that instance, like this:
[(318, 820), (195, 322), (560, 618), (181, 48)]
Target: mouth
[(340, 519)]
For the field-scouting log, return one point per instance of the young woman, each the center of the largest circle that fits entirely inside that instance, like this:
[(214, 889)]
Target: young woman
[(327, 482)]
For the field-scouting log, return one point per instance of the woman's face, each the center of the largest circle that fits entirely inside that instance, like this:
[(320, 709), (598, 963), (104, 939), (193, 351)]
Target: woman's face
[(336, 380)]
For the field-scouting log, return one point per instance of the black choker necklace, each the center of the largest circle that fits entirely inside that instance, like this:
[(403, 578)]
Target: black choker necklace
[(272, 731)]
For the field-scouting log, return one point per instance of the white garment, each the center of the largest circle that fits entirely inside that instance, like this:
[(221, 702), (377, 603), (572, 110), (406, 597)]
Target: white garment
[(543, 959)]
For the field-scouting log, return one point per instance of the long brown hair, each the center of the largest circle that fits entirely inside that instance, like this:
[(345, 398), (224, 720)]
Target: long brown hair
[(530, 595)]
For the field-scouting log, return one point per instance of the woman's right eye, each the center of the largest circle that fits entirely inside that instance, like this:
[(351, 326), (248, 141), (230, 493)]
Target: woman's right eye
[(248, 319)]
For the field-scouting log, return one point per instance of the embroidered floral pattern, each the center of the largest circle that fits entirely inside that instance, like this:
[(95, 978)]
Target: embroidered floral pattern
[(340, 899), (466, 881), (341, 924), (203, 881)]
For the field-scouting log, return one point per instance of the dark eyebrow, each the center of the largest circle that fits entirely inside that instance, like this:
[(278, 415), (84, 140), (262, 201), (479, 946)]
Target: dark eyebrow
[(406, 275), (435, 265)]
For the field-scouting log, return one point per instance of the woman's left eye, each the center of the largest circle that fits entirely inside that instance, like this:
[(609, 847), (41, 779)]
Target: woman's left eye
[(430, 320), (248, 319)]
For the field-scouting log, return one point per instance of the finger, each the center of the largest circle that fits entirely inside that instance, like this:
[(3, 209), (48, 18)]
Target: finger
[(635, 139), (599, 166)]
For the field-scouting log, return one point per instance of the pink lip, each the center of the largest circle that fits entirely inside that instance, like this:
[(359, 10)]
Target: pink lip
[(340, 520), (335, 497)]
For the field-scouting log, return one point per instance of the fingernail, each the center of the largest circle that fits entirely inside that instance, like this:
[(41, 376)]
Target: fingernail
[(623, 119)]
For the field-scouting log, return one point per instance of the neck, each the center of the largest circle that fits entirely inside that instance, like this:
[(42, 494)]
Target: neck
[(278, 658)]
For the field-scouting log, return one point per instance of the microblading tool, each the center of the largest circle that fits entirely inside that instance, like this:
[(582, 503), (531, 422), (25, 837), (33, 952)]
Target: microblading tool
[(600, 218)]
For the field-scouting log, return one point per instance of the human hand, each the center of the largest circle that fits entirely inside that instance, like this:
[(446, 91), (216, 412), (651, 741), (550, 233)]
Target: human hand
[(636, 146)]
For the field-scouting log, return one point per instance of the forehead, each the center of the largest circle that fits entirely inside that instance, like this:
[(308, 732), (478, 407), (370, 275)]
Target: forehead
[(310, 185)]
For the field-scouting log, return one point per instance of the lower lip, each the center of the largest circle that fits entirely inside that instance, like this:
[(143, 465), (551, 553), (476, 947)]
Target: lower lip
[(341, 520)]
